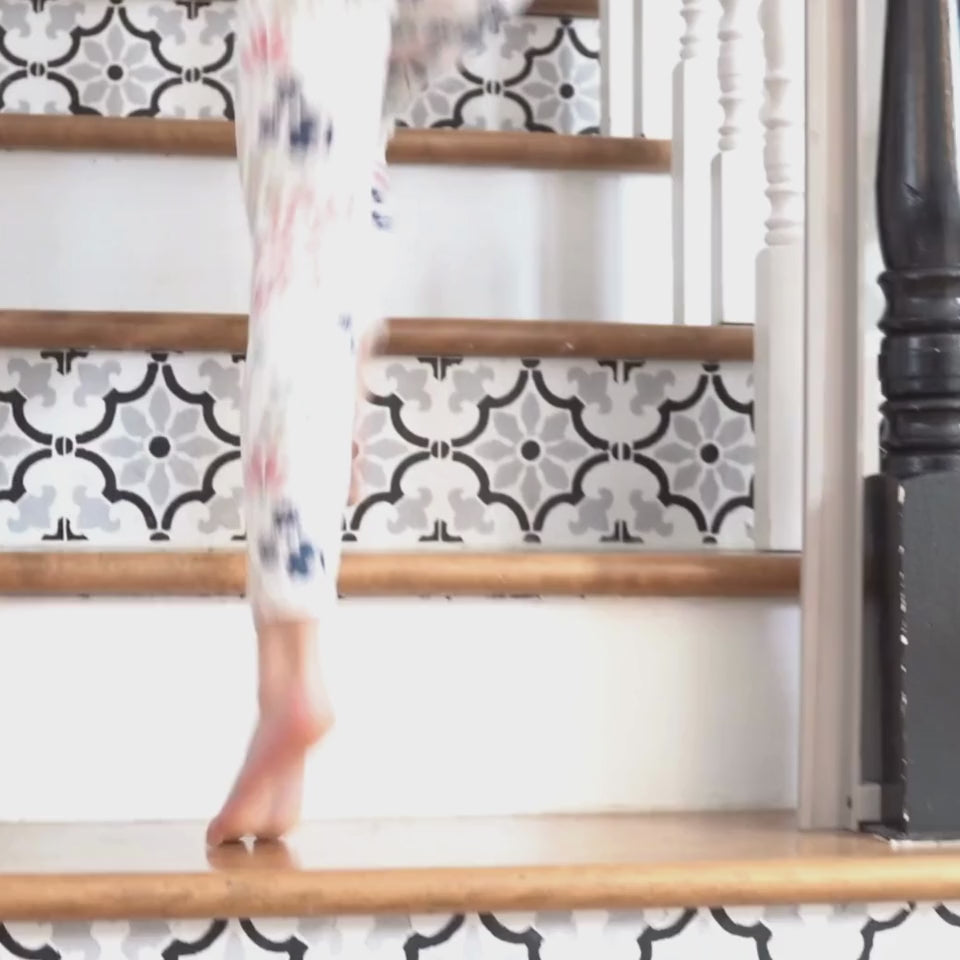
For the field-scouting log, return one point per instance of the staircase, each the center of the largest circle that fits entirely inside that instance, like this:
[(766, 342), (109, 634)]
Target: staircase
[(563, 669)]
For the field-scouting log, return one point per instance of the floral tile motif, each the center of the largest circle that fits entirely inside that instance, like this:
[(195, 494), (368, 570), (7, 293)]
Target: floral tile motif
[(122, 448), (877, 932), (129, 449), (176, 58), (536, 73)]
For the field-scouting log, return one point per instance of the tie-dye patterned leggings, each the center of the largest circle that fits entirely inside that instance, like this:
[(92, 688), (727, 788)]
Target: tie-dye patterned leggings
[(319, 82)]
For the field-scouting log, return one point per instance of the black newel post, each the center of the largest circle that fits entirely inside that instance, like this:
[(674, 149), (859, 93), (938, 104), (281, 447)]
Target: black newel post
[(914, 505)]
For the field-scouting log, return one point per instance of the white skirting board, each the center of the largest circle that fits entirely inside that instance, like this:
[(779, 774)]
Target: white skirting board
[(140, 709), (169, 233)]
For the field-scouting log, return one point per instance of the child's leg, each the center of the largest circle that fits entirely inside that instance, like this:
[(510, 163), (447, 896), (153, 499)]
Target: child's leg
[(370, 328), (309, 106)]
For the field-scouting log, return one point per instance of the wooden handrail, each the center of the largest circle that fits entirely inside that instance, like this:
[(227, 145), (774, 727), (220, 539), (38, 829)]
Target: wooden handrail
[(439, 573), (449, 147), (410, 336)]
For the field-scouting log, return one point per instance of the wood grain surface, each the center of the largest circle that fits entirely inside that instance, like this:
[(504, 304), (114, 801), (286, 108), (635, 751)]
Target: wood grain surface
[(409, 336), (448, 147), (163, 572), (89, 871), (565, 8)]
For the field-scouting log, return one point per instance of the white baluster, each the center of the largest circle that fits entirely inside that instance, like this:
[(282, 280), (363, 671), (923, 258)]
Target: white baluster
[(621, 23), (783, 119), (694, 144), (739, 205), (780, 285)]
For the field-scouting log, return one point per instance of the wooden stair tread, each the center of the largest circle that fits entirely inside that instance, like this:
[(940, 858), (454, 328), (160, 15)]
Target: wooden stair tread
[(564, 8), (90, 871), (453, 147), (411, 336), (162, 572)]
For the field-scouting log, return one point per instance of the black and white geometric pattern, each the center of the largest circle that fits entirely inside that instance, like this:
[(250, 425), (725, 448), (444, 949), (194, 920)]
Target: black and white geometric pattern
[(878, 932), (176, 58), (124, 450)]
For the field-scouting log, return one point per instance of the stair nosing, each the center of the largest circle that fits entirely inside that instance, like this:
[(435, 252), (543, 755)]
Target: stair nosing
[(215, 138), (777, 881), (563, 862), (404, 336), (587, 9), (442, 573)]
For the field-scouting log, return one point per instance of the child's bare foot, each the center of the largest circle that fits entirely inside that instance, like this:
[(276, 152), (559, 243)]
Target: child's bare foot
[(287, 801), (263, 855), (265, 800), (294, 715)]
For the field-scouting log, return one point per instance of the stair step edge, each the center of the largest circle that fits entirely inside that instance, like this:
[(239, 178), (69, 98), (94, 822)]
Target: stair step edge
[(588, 9), (215, 138), (178, 573), (406, 336), (102, 872)]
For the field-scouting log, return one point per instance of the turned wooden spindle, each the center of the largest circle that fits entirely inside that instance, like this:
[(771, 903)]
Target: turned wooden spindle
[(695, 105), (778, 273), (914, 505), (918, 201)]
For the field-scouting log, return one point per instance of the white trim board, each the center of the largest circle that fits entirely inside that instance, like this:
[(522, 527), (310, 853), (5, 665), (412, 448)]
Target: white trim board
[(837, 168)]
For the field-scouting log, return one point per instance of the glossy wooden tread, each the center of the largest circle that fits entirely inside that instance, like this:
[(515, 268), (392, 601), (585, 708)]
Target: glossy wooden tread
[(160, 573), (92, 871), (412, 336), (451, 147), (564, 8)]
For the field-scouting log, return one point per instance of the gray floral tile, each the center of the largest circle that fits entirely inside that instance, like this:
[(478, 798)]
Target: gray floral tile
[(30, 491), (706, 454), (132, 449), (537, 73), (564, 89), (838, 932), (176, 58), (113, 71)]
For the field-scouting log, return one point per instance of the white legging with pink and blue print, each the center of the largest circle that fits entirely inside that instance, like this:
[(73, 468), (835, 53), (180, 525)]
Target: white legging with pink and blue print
[(319, 84)]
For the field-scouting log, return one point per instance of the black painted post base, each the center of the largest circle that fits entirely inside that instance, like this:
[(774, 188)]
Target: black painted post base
[(915, 572)]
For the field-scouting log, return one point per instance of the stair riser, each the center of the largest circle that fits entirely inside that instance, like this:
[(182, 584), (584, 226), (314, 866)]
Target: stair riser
[(537, 72), (157, 233), (137, 451), (445, 707), (838, 932)]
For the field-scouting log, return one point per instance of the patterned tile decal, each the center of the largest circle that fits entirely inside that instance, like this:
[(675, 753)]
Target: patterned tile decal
[(176, 58), (122, 450), (880, 932)]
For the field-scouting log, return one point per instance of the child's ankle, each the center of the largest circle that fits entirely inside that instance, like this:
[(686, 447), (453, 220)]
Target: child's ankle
[(288, 662)]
